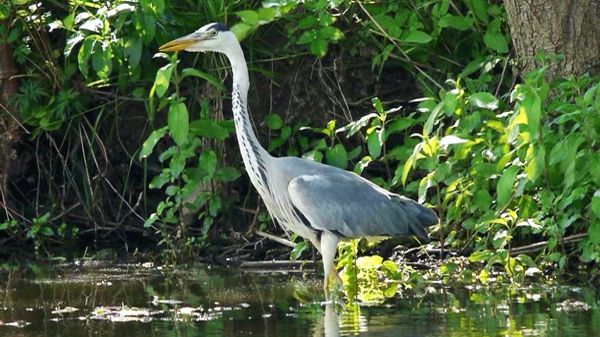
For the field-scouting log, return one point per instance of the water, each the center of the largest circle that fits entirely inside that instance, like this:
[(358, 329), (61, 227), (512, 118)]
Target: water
[(148, 301)]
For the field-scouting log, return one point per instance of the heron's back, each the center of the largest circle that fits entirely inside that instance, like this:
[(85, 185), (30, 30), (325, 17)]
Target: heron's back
[(342, 202)]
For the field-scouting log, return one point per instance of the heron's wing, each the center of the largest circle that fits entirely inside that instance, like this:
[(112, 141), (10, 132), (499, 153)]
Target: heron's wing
[(344, 203)]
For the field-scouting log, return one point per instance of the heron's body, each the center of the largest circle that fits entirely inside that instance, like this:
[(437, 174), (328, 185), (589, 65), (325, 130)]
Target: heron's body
[(321, 203)]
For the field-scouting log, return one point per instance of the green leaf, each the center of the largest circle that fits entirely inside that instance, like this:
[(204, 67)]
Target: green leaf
[(47, 231), (505, 186), (418, 36), (241, 30), (163, 79), (594, 231), (483, 200), (178, 123), (536, 159), (533, 109), (208, 163), (205, 76), (160, 180), (337, 156), (298, 249), (152, 140), (330, 33), (177, 165), (307, 37), (84, 54), (266, 15), (227, 173), (484, 100), (355, 126), (133, 51), (495, 41), (481, 256), (596, 204), (102, 60), (68, 21), (318, 47), (479, 8), (456, 22), (208, 128), (374, 142), (151, 220), (307, 22), (369, 262), (249, 17), (593, 168), (273, 121)]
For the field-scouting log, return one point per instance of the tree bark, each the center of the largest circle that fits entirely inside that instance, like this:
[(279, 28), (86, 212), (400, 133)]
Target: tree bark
[(9, 123), (567, 27)]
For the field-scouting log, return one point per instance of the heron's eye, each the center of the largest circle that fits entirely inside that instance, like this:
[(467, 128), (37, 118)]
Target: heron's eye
[(213, 32)]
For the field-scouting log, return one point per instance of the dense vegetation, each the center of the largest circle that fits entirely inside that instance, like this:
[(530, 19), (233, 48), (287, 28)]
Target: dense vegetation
[(122, 143)]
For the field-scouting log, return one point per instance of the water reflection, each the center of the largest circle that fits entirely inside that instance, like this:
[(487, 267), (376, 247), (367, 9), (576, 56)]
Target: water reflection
[(328, 325), (126, 301)]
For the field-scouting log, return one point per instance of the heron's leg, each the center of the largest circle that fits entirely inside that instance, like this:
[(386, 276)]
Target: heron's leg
[(336, 276), (328, 249)]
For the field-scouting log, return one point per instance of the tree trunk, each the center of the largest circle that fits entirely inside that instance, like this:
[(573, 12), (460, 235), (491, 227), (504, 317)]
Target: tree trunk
[(9, 123), (567, 27)]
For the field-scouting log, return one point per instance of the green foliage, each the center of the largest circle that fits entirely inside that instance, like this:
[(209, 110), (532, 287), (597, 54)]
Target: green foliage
[(185, 174), (511, 169)]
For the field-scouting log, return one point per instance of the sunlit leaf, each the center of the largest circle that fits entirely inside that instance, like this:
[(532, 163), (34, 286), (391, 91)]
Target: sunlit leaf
[(249, 17), (536, 158), (266, 15), (241, 30), (480, 256), (451, 140), (152, 140), (163, 79), (298, 249), (159, 181), (151, 220), (84, 54), (366, 262), (484, 100)]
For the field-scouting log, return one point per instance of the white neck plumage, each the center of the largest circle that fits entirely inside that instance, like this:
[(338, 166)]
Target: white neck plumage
[(253, 154)]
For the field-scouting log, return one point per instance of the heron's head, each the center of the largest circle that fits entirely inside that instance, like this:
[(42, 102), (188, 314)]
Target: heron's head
[(212, 37)]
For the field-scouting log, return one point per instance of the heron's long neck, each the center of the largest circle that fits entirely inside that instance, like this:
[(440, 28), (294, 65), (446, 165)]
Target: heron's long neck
[(253, 154)]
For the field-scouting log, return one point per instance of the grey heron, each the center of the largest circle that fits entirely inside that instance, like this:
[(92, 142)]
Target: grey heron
[(320, 203)]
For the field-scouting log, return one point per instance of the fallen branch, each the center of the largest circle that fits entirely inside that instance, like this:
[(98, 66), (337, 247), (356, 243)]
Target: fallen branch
[(275, 238), (278, 264), (541, 245)]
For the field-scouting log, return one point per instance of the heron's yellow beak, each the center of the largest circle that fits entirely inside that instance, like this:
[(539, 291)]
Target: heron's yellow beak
[(177, 44)]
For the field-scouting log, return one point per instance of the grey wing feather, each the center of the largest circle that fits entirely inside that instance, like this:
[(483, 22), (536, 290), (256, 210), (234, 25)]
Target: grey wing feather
[(339, 201)]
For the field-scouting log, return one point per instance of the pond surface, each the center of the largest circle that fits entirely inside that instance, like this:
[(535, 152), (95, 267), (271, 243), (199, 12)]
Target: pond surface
[(149, 301)]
